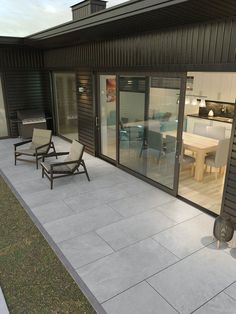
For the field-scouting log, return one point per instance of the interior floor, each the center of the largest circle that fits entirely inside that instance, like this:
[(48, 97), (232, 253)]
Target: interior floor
[(207, 193)]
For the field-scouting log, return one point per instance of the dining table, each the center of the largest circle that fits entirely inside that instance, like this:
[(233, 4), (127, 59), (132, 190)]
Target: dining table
[(200, 145)]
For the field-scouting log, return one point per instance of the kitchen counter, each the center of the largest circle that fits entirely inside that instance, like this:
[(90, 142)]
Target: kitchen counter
[(215, 118)]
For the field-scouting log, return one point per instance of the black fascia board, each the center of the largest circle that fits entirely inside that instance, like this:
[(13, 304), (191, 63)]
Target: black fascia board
[(128, 9)]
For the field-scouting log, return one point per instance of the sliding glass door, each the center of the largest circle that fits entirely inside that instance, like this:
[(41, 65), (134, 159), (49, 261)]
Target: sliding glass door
[(3, 121), (66, 104), (149, 128)]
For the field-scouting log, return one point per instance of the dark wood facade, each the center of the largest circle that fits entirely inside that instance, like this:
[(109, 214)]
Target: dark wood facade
[(86, 110), (200, 46), (26, 85), (205, 45)]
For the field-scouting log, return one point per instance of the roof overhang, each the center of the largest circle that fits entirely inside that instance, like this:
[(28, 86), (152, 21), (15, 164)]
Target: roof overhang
[(133, 17)]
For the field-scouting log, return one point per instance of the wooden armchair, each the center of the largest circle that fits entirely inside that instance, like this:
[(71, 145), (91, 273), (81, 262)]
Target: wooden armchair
[(70, 165), (40, 145)]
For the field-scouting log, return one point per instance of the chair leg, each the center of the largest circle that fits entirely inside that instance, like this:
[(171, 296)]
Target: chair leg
[(85, 169), (37, 162), (192, 170), (42, 172), (51, 180), (15, 158), (53, 148)]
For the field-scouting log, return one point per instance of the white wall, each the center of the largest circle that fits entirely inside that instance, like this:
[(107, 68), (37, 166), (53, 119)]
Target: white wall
[(217, 86)]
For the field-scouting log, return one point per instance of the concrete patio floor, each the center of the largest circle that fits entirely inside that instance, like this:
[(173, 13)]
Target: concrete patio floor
[(131, 248)]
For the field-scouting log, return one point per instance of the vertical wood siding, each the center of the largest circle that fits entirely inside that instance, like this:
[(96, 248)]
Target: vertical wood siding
[(211, 43), (86, 111), (20, 57), (229, 200), (26, 90)]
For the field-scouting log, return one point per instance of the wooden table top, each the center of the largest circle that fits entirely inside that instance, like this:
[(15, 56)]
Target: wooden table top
[(196, 141)]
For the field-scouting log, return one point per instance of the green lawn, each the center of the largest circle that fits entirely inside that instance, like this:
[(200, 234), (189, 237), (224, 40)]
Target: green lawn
[(32, 278)]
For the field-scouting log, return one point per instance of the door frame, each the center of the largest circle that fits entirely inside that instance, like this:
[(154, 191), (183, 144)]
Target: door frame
[(147, 75), (98, 120)]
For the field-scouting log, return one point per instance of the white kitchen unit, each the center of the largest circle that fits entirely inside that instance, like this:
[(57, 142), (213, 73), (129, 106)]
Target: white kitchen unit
[(228, 127), (192, 120)]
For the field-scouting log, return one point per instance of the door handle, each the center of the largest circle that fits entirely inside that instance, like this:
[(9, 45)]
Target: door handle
[(97, 122)]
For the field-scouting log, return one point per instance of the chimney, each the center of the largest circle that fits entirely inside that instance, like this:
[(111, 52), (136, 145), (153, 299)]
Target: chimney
[(87, 7)]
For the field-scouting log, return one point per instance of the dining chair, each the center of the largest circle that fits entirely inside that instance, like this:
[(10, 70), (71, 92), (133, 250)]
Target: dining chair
[(187, 160), (216, 132), (220, 158), (153, 145), (200, 129)]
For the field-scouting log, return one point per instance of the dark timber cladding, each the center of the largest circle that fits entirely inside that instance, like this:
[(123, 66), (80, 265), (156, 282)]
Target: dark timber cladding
[(229, 199), (86, 110), (181, 48), (26, 90), (20, 57)]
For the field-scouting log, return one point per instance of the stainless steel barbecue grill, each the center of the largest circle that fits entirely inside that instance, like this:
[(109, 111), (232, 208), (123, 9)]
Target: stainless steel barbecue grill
[(30, 119)]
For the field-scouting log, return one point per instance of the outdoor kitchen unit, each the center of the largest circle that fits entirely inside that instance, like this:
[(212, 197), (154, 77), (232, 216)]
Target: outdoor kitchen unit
[(28, 120)]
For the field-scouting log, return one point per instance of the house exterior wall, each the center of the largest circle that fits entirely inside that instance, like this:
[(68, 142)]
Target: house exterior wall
[(26, 85), (207, 45)]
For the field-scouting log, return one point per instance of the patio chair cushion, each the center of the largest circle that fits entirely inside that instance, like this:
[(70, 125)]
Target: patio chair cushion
[(76, 152), (57, 169), (26, 151), (41, 137)]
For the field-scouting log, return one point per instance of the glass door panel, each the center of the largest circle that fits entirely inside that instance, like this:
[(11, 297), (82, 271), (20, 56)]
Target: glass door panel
[(161, 129), (148, 127), (66, 105), (108, 116), (3, 121), (132, 98)]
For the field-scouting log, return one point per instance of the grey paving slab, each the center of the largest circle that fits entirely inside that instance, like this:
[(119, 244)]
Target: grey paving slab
[(196, 279), (187, 237), (94, 198), (121, 270), (3, 305), (139, 203), (84, 249), (141, 299), (221, 304), (52, 211), (231, 291), (133, 229), (72, 226), (178, 210)]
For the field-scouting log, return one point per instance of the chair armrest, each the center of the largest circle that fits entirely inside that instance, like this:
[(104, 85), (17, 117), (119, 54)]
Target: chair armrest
[(22, 143), (42, 146)]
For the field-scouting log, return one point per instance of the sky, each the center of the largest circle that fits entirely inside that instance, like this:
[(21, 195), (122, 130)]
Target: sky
[(24, 17)]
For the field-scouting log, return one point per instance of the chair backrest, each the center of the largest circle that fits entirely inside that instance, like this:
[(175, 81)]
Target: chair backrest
[(200, 129), (42, 137), (222, 151), (217, 132), (170, 144), (154, 140), (76, 154)]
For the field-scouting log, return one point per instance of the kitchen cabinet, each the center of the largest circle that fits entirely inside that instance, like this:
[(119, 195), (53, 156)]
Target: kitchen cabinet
[(192, 120), (217, 86), (228, 127)]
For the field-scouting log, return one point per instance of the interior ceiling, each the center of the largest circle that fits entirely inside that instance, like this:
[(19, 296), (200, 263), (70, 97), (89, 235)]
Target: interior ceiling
[(189, 12)]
